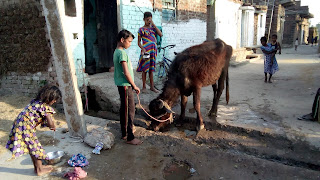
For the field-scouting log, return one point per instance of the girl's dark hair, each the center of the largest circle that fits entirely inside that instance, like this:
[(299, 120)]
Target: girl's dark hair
[(146, 15), (124, 34), (274, 35), (48, 93), (263, 39)]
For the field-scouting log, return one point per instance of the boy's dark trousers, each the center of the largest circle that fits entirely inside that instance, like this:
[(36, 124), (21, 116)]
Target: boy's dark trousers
[(127, 111)]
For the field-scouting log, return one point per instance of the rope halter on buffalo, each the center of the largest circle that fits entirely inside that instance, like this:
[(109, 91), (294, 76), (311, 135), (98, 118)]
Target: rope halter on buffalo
[(159, 120)]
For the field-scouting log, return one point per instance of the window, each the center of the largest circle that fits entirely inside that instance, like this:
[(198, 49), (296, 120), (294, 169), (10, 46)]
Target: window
[(168, 10), (70, 8)]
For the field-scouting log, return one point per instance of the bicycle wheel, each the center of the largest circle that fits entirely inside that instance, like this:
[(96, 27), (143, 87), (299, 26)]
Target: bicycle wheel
[(161, 72)]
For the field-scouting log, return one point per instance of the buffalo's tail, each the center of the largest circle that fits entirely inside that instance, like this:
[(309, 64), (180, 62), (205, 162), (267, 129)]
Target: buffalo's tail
[(227, 86)]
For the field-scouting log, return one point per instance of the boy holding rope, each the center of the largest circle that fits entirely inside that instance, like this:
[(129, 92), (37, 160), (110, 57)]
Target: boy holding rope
[(124, 79)]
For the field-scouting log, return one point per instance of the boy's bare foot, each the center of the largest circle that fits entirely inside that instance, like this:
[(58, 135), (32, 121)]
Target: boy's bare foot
[(154, 90), (135, 142), (144, 90), (44, 170), (124, 138)]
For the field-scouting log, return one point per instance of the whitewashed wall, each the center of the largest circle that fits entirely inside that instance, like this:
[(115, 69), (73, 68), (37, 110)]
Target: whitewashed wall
[(261, 29), (247, 26), (183, 34), (131, 16), (227, 15)]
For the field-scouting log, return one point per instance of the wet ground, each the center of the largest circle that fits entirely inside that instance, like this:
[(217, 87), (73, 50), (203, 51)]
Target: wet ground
[(258, 135)]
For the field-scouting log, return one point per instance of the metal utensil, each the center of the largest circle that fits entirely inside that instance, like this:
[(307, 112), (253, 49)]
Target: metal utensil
[(55, 156)]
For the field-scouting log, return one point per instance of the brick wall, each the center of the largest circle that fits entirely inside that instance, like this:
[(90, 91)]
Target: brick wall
[(289, 34), (192, 9), (24, 49)]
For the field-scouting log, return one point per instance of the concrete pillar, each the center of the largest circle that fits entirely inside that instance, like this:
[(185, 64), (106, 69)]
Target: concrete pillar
[(211, 21), (64, 64)]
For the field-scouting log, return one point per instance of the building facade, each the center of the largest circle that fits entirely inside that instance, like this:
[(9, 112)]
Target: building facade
[(296, 25)]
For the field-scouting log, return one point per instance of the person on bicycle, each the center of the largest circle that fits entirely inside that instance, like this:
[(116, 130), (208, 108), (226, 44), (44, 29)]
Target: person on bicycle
[(147, 60)]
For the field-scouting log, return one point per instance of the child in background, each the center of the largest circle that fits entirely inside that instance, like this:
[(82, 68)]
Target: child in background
[(147, 34), (124, 79), (23, 138), (270, 62), (296, 44)]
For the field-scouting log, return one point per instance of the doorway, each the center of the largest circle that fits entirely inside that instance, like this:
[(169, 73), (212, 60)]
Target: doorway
[(100, 32)]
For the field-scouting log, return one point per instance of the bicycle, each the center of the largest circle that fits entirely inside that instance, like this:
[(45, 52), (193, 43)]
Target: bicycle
[(164, 65)]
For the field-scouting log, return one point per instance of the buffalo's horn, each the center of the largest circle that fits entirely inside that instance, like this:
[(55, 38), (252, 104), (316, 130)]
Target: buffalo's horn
[(166, 107)]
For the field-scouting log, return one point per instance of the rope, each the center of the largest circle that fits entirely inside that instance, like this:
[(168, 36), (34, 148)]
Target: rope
[(150, 115)]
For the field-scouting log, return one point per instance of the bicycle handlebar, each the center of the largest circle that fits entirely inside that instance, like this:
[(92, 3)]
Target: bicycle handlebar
[(169, 46)]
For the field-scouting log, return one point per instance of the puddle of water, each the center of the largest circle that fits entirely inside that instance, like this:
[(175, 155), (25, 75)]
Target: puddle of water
[(177, 171)]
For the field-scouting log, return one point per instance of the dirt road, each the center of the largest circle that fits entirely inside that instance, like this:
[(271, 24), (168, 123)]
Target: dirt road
[(259, 136)]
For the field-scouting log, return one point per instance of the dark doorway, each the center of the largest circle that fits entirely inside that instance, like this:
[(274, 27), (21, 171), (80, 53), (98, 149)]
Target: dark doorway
[(100, 31)]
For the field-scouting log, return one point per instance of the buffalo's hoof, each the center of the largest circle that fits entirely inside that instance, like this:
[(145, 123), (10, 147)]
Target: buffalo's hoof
[(212, 114)]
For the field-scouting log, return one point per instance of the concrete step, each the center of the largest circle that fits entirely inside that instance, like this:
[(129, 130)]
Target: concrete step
[(107, 92)]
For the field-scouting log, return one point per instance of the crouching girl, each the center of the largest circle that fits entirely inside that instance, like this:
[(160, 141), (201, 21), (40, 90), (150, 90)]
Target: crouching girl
[(23, 138)]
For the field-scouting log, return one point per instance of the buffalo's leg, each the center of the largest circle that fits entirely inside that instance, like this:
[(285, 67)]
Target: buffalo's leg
[(184, 100), (215, 89), (215, 102), (196, 104)]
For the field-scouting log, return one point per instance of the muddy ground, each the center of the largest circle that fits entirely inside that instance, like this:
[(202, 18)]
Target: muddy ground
[(223, 151)]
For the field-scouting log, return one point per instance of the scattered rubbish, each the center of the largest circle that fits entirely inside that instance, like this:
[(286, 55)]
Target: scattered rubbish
[(192, 170), (77, 173), (98, 147), (99, 135), (168, 155), (78, 160), (190, 134), (65, 130), (177, 170)]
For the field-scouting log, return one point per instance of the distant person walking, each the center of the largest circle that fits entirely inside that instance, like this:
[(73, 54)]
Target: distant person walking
[(296, 44), (270, 62), (312, 40), (316, 40)]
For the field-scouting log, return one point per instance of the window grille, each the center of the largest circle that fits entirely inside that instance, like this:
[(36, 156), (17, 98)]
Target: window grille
[(168, 10)]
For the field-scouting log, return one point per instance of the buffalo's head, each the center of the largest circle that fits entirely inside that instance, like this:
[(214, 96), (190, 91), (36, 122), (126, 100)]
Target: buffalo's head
[(160, 110)]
